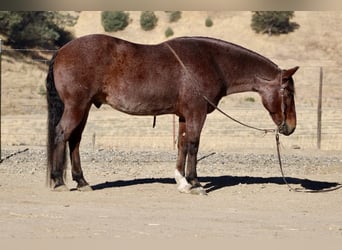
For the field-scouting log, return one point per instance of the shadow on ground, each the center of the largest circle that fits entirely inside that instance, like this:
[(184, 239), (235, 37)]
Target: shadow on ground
[(214, 183)]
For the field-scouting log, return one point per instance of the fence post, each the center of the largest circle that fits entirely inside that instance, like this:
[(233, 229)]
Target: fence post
[(319, 109)]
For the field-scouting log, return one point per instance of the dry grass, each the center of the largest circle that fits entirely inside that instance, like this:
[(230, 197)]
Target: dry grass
[(316, 43)]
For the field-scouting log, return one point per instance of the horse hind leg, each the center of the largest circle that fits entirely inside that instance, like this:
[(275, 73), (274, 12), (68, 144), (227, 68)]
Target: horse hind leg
[(74, 144), (58, 163), (70, 120), (58, 173)]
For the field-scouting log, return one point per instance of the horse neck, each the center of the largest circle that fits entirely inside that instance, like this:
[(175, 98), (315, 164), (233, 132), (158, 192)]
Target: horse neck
[(243, 85), (241, 67)]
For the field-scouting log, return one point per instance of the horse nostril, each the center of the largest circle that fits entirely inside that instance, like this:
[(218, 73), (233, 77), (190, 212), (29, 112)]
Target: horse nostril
[(287, 130)]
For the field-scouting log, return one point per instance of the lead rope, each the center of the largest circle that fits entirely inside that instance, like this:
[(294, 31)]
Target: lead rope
[(209, 101), (281, 164), (299, 190), (252, 127)]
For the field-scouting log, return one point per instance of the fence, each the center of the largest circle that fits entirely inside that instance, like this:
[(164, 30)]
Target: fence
[(318, 88)]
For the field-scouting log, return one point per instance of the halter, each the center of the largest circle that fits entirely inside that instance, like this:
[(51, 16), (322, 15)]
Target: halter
[(282, 94)]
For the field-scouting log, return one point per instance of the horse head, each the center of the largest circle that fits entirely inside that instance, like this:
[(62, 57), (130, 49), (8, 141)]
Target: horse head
[(278, 98)]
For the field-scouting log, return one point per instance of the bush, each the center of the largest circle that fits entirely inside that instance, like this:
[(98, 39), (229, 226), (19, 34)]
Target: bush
[(39, 29), (209, 22), (174, 16), (249, 99), (114, 20), (148, 20), (273, 22), (169, 32)]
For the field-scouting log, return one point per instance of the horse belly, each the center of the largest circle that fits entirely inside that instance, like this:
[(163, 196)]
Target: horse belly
[(147, 101)]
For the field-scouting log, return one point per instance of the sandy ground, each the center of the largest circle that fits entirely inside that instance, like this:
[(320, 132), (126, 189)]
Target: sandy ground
[(135, 197), (131, 167)]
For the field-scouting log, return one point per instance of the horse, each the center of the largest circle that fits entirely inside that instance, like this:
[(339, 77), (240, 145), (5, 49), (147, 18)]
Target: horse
[(184, 76)]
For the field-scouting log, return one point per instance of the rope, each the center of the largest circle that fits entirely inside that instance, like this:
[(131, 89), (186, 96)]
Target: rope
[(252, 127), (209, 101), (13, 154), (298, 190)]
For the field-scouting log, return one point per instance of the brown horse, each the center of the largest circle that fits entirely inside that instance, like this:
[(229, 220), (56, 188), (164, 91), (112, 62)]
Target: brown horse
[(150, 80)]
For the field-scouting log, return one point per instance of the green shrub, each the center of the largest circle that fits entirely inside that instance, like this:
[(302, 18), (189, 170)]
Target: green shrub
[(114, 20), (148, 20), (169, 32), (249, 99), (273, 22), (209, 22), (42, 90), (36, 29), (174, 16)]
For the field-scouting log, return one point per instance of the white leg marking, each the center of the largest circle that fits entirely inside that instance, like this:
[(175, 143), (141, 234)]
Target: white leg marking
[(183, 184)]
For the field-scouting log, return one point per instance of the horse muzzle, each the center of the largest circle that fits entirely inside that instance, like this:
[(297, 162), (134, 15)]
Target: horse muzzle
[(286, 129)]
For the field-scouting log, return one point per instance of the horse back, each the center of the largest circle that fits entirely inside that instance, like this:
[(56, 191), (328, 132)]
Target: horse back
[(133, 78)]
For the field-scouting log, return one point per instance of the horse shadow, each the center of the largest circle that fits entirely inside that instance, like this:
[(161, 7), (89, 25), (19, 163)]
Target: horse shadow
[(213, 183)]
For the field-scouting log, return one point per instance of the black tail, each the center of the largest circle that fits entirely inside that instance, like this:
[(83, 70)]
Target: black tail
[(55, 112)]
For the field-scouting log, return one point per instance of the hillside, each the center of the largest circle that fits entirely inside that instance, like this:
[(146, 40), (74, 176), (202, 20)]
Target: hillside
[(315, 44), (317, 39)]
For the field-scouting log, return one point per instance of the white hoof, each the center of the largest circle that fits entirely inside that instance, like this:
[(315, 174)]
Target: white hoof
[(198, 191), (184, 186)]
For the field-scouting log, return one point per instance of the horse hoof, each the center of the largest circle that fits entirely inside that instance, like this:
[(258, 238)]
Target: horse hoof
[(85, 188), (184, 188), (61, 188), (198, 191)]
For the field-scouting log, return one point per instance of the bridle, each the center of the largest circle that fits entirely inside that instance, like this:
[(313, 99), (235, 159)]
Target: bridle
[(276, 131)]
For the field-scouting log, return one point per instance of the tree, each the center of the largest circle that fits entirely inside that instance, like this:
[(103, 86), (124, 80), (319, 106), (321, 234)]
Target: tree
[(114, 20), (148, 20), (174, 16), (273, 22), (40, 29)]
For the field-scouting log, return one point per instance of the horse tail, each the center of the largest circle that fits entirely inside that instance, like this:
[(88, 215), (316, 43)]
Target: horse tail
[(55, 111)]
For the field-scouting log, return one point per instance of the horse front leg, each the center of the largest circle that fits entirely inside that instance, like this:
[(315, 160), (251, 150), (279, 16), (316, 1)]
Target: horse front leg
[(183, 185), (191, 171), (188, 144)]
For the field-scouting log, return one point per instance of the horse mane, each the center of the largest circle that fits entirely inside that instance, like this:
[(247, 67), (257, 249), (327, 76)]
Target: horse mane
[(233, 45)]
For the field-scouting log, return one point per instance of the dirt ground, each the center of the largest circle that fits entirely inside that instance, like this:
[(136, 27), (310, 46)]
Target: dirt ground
[(135, 197), (131, 166)]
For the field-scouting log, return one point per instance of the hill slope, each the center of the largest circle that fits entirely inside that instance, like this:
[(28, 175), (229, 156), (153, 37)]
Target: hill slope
[(316, 43), (317, 39)]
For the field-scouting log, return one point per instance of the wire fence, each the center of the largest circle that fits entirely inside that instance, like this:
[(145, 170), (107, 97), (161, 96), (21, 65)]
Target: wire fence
[(24, 116)]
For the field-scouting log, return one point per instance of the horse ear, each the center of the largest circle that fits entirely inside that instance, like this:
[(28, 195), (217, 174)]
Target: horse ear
[(289, 72)]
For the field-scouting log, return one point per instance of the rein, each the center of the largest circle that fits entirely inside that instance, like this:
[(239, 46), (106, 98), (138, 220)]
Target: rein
[(210, 102), (276, 131)]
